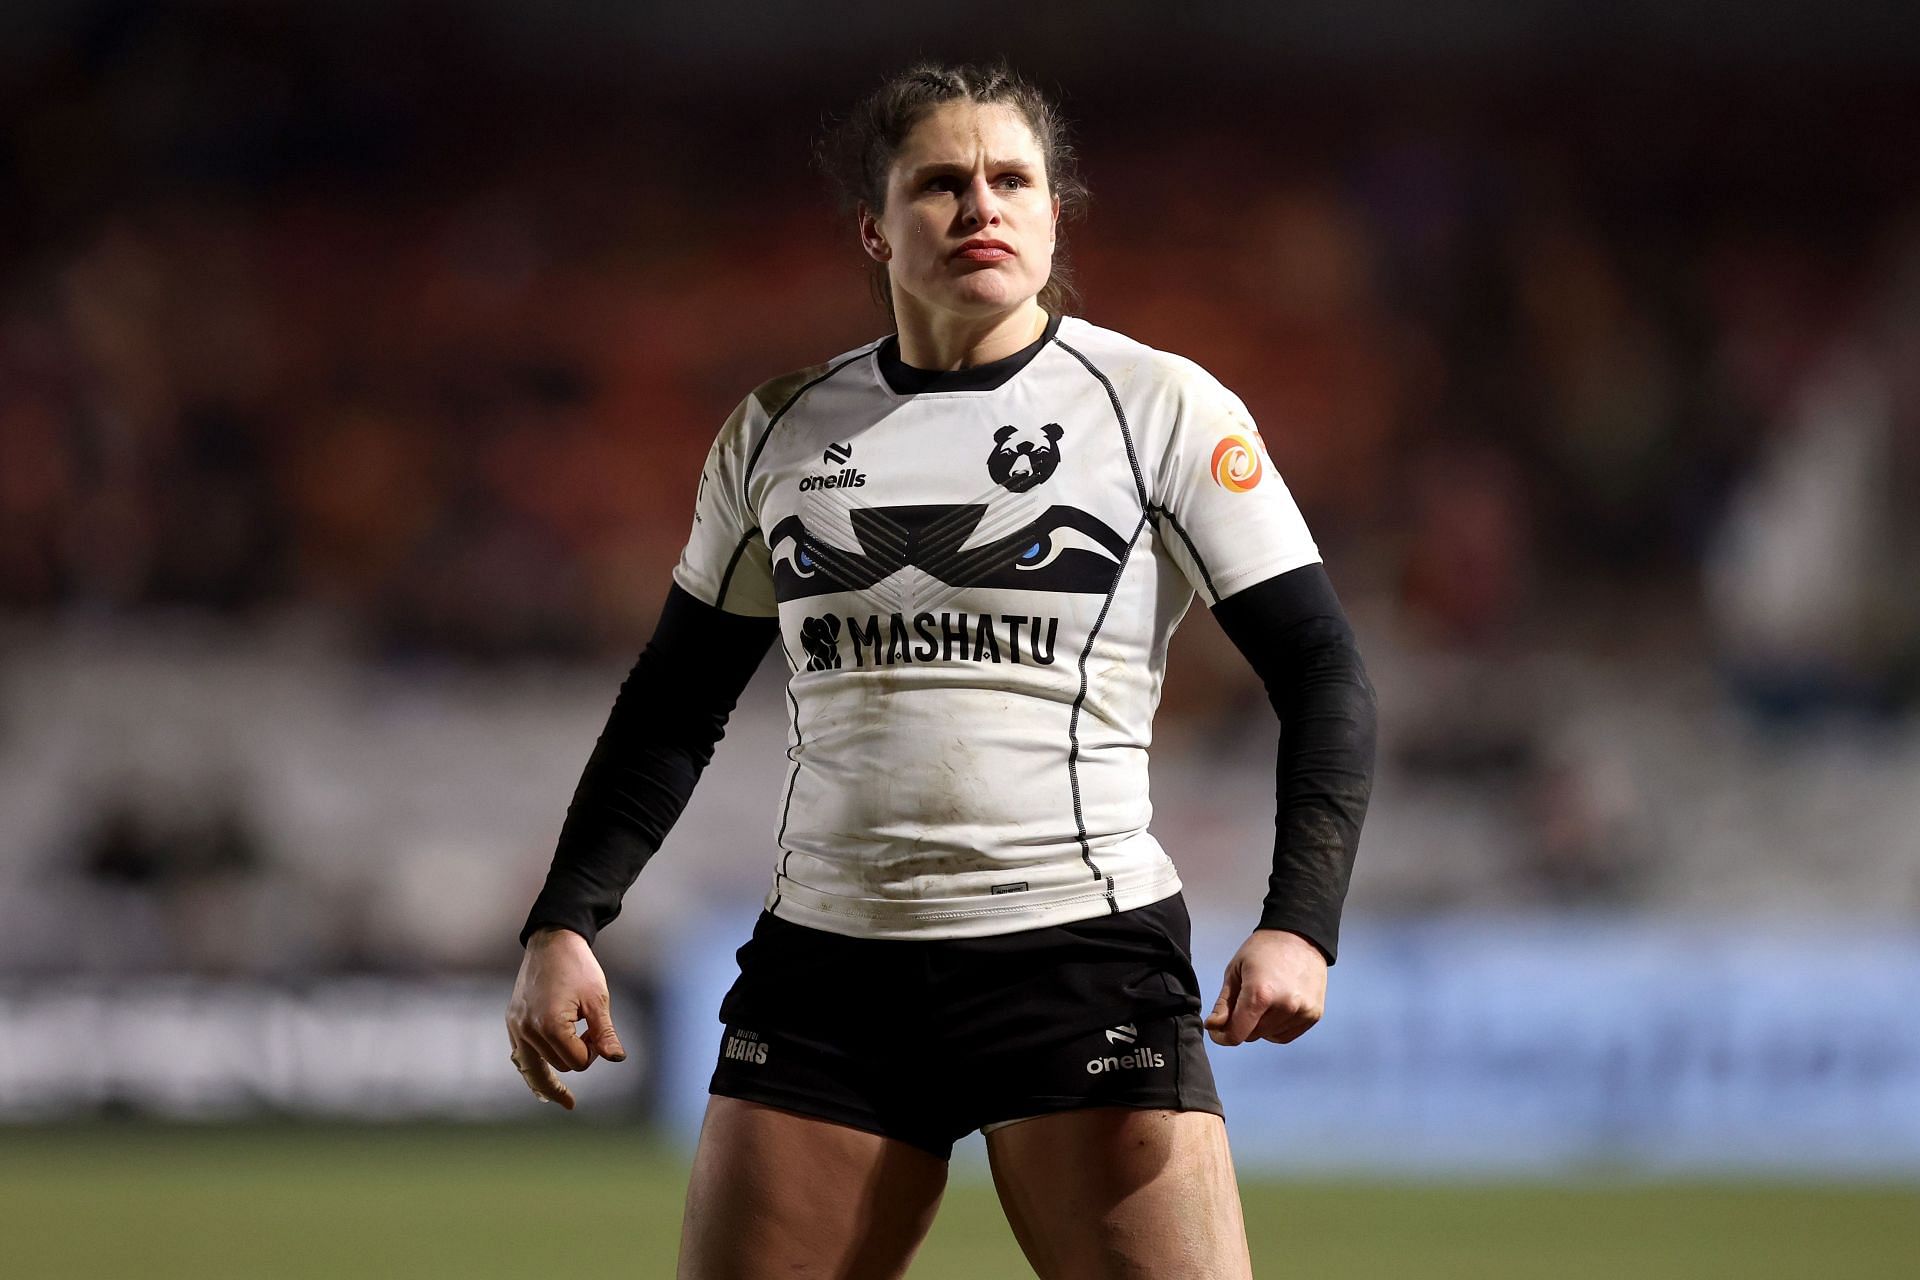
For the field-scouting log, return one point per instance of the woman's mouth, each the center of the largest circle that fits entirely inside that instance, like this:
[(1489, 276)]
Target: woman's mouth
[(983, 251)]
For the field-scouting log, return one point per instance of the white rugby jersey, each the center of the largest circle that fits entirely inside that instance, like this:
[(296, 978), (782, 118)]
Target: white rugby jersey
[(976, 582)]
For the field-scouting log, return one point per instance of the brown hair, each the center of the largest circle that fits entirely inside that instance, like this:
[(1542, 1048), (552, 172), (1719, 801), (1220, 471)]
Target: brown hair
[(856, 152)]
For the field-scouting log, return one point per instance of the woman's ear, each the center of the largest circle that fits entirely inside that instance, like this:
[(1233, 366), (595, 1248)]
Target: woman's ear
[(871, 238)]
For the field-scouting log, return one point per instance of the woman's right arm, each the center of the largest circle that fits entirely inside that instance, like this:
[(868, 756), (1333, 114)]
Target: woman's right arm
[(671, 711), (717, 624)]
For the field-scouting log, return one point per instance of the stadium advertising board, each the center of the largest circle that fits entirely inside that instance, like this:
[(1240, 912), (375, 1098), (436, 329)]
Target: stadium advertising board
[(1555, 1044), (363, 1048)]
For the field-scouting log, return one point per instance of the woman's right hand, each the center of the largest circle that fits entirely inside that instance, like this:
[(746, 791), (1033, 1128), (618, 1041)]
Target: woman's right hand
[(560, 983)]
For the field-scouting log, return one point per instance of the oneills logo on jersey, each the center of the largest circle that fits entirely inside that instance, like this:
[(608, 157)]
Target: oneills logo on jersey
[(1125, 1033), (836, 455), (1236, 464)]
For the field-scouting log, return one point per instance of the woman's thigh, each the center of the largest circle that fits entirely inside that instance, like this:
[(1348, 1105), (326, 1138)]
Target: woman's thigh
[(1111, 1192), (774, 1193)]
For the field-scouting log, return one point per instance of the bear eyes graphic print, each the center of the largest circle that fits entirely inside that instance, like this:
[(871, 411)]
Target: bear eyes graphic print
[(1049, 547), (1065, 549)]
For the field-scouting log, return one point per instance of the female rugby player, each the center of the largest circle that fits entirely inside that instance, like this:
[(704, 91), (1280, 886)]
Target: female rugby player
[(972, 540)]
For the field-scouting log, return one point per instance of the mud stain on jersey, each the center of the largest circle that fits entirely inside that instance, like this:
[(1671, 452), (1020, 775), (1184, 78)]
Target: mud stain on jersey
[(947, 797), (772, 395), (1106, 690), (957, 792)]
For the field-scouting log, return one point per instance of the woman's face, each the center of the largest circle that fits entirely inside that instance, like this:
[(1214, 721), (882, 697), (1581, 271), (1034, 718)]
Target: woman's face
[(969, 223)]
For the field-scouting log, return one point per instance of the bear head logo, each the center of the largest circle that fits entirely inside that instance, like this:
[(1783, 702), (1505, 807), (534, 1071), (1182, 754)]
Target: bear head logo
[(1024, 458)]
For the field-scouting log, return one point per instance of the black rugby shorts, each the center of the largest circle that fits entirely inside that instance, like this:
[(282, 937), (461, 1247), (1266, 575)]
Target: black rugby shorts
[(926, 1041)]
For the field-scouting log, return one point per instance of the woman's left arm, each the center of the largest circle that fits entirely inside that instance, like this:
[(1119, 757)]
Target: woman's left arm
[(1293, 631)]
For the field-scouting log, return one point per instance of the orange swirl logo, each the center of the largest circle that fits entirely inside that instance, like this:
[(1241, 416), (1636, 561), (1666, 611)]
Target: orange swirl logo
[(1236, 464)]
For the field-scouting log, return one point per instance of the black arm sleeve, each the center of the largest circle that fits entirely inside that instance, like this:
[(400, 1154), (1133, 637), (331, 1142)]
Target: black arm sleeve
[(1293, 631), (670, 712)]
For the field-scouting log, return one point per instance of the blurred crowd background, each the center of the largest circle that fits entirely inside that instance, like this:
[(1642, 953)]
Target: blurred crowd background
[(357, 362)]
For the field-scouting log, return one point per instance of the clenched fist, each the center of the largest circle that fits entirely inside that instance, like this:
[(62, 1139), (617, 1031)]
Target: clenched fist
[(560, 983), (1275, 989)]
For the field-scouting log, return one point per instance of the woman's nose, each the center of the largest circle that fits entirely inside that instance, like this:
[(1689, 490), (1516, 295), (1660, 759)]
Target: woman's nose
[(982, 206)]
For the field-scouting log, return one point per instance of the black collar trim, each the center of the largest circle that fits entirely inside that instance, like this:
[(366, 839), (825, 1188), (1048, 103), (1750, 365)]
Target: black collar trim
[(909, 381)]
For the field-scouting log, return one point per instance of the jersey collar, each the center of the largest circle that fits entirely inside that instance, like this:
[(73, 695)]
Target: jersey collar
[(906, 380)]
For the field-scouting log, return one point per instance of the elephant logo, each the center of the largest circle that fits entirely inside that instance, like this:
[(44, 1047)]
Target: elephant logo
[(821, 639)]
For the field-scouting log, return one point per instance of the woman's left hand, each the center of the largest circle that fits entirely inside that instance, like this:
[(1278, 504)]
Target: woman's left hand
[(1275, 989)]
